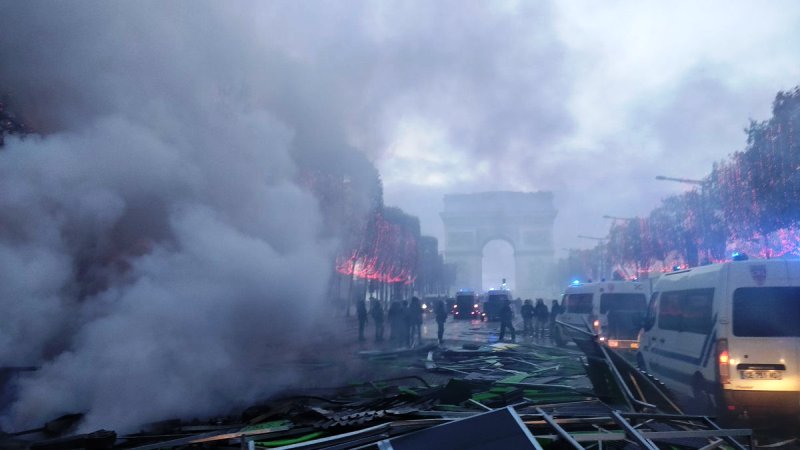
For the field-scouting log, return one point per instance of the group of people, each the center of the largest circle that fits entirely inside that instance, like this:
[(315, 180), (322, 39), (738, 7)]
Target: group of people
[(536, 319), (405, 320)]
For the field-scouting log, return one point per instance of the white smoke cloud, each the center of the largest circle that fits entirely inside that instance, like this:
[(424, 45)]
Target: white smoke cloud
[(202, 252), (155, 247)]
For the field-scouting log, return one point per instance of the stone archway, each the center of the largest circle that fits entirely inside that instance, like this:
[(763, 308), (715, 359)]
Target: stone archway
[(523, 219)]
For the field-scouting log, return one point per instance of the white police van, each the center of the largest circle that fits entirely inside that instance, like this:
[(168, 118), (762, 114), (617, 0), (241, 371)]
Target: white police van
[(614, 310), (728, 336)]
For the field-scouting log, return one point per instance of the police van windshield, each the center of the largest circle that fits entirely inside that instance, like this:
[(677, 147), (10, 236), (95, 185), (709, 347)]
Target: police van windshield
[(622, 302), (766, 312), (579, 303)]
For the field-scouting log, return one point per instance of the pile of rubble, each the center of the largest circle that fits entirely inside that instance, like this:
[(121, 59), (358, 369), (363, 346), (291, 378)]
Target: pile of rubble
[(487, 396)]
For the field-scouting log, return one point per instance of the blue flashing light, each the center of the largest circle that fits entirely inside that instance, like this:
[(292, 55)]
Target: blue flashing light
[(576, 282), (676, 268), (739, 256)]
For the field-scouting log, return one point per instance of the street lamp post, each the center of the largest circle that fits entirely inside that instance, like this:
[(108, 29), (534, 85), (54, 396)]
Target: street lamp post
[(614, 219), (680, 180), (624, 219), (702, 184)]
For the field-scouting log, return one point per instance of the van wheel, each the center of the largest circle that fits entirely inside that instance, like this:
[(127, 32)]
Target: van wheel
[(558, 338), (705, 400), (640, 362)]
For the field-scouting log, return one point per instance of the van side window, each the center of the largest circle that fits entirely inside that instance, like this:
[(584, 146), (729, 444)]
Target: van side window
[(652, 310), (697, 310), (579, 303), (669, 311), (686, 311)]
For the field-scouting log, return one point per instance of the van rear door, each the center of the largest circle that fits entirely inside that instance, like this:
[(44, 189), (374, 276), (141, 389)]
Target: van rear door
[(765, 342)]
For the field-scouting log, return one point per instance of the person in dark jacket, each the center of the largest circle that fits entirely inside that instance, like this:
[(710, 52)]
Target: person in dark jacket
[(555, 310), (414, 318), (527, 317), (377, 316), (397, 321), (404, 325), (507, 321), (361, 311), (542, 315), (441, 316)]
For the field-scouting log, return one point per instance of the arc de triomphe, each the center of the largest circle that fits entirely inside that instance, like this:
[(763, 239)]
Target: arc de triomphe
[(523, 219)]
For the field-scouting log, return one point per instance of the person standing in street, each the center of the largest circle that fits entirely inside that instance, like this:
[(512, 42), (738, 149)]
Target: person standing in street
[(377, 316), (555, 310), (405, 324), (527, 317), (441, 316), (414, 314), (361, 311), (396, 320), (541, 314), (507, 321)]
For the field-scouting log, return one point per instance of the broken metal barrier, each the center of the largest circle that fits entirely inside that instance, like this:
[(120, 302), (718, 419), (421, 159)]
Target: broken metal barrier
[(512, 427), (621, 385), (499, 409), (501, 396), (618, 382)]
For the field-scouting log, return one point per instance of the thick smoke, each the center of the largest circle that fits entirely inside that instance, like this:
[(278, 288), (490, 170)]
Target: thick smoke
[(155, 246)]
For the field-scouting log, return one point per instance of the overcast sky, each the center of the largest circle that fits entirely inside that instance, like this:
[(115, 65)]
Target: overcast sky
[(587, 99), (590, 100)]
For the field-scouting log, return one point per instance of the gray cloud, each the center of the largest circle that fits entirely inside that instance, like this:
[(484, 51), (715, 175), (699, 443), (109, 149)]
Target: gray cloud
[(645, 91)]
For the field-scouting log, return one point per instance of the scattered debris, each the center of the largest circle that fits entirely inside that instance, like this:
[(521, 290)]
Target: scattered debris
[(485, 396), (499, 429)]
